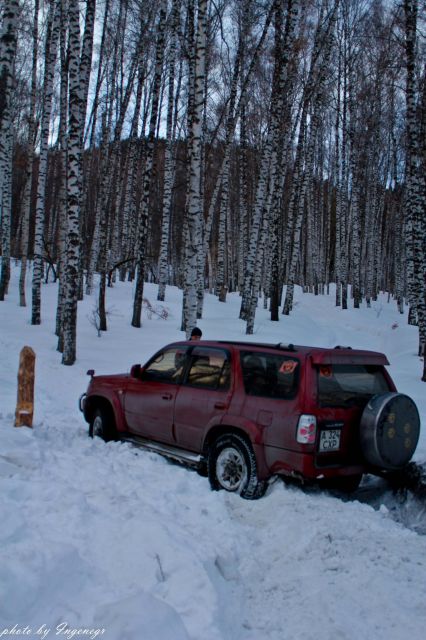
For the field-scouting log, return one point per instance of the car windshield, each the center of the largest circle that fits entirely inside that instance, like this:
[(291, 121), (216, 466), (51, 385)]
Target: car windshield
[(349, 384)]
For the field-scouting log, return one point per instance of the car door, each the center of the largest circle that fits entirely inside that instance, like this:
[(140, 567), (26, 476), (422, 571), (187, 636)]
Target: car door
[(150, 397), (204, 395)]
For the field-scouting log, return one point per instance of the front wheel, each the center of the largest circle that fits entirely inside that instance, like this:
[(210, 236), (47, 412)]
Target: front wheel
[(231, 465), (102, 425)]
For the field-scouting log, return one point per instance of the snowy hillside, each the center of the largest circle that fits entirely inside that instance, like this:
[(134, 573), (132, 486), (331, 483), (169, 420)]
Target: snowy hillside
[(105, 540)]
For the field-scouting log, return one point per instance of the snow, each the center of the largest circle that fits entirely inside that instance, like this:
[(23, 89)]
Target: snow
[(109, 541)]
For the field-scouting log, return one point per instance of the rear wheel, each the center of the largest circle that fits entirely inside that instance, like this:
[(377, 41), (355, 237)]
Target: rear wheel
[(102, 425), (231, 466)]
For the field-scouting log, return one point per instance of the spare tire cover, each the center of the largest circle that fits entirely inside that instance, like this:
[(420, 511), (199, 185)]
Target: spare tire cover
[(389, 430)]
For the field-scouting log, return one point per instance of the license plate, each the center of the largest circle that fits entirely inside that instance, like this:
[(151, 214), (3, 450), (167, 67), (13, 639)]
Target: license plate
[(330, 440)]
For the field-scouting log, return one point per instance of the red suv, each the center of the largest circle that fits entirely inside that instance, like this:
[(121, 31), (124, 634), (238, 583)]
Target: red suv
[(244, 412)]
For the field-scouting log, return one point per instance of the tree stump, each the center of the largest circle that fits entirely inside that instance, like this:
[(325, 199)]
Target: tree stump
[(25, 403)]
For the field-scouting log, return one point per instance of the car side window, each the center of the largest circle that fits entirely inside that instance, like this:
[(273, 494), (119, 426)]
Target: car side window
[(269, 375), (209, 369), (166, 366)]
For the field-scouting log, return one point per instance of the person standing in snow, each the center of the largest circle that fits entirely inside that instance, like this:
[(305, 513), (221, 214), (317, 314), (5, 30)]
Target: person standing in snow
[(196, 334)]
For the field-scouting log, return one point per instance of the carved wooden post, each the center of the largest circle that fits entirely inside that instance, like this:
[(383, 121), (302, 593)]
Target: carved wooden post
[(25, 404), (222, 293)]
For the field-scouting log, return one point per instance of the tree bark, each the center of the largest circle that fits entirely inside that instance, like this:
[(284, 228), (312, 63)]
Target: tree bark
[(52, 37), (26, 204), (8, 45), (75, 125), (149, 162), (195, 213)]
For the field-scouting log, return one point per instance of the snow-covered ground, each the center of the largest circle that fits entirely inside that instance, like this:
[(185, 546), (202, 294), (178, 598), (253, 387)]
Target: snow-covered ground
[(105, 540)]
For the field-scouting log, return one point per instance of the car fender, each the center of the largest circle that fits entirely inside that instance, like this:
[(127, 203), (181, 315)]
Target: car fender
[(250, 429), (113, 398)]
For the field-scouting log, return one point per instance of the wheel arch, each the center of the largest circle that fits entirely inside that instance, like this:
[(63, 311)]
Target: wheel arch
[(250, 436), (92, 403)]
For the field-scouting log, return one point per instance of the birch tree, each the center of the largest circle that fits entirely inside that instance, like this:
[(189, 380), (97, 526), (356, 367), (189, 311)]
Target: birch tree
[(52, 36), (26, 203), (312, 96), (8, 44), (271, 184), (423, 192), (268, 166), (415, 182), (241, 78), (163, 262), (61, 172), (195, 213), (73, 190), (149, 161)]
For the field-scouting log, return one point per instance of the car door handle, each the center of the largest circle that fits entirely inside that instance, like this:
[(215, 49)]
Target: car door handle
[(167, 396), (220, 405)]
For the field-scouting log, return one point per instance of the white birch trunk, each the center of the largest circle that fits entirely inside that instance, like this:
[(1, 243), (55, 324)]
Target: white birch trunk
[(49, 71), (415, 183), (313, 95), (149, 162), (195, 212), (71, 272), (5, 210), (62, 143), (163, 260), (268, 167), (8, 45), (26, 203)]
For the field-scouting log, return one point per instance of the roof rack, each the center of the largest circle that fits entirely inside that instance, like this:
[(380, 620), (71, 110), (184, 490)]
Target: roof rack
[(339, 346), (285, 347)]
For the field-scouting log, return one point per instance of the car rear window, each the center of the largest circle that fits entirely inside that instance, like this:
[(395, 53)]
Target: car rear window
[(349, 384), (269, 375)]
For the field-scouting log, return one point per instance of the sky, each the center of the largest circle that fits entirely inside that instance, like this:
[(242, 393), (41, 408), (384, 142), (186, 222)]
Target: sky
[(108, 540)]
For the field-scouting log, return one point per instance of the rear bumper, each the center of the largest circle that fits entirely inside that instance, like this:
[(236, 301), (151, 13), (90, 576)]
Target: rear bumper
[(305, 465)]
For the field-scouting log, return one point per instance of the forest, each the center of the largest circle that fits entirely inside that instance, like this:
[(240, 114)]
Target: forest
[(213, 145)]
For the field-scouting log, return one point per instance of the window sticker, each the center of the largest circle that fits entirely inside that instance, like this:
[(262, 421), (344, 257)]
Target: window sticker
[(288, 366), (325, 371)]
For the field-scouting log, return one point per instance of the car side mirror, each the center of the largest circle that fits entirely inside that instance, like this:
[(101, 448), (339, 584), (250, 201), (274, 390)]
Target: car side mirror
[(135, 371)]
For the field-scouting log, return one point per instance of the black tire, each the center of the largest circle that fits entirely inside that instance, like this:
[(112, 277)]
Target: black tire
[(231, 465), (389, 430), (102, 425), (202, 469)]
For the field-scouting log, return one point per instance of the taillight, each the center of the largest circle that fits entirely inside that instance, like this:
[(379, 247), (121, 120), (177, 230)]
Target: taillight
[(306, 429)]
